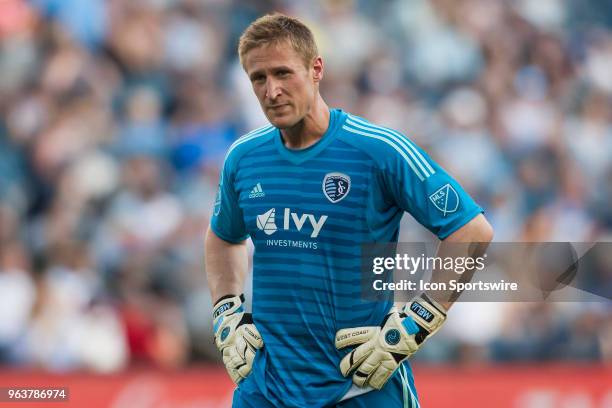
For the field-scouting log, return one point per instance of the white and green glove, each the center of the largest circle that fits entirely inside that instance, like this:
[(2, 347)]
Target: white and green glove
[(381, 350), (235, 336)]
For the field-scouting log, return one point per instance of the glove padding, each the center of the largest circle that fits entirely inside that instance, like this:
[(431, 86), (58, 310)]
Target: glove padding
[(235, 336), (381, 350)]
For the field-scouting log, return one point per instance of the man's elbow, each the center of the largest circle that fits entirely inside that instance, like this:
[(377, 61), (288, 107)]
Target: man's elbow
[(477, 230), (485, 231)]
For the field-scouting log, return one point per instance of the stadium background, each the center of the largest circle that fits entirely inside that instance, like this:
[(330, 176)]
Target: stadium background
[(114, 119)]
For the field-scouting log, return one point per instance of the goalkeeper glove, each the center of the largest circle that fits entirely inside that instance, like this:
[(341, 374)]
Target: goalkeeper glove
[(235, 336), (381, 350)]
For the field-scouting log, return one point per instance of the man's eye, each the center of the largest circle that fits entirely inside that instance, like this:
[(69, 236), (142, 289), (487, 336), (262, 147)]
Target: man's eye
[(283, 73)]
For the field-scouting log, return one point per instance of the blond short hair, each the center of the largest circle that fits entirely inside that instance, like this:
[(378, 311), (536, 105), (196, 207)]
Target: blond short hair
[(275, 28)]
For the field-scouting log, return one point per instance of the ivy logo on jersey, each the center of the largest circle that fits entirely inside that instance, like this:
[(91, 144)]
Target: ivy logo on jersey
[(336, 186), (266, 222), (445, 199)]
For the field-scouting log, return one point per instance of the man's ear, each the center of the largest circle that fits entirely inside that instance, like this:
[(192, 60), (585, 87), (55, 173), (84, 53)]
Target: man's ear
[(317, 69)]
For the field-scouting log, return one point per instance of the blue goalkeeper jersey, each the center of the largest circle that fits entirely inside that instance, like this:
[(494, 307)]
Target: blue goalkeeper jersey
[(308, 212)]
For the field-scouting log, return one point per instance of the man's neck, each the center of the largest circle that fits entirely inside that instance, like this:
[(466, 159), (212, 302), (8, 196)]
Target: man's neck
[(309, 130)]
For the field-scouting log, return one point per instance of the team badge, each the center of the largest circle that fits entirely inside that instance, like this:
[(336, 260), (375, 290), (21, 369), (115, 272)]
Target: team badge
[(218, 202), (217, 208), (445, 199), (336, 186)]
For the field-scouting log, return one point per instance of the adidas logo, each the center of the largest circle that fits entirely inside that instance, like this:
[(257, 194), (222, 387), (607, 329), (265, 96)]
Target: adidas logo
[(257, 192)]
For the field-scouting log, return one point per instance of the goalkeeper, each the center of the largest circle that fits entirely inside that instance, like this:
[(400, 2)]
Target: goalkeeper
[(309, 189)]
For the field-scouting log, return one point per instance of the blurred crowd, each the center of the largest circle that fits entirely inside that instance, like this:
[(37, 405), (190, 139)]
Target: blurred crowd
[(115, 116)]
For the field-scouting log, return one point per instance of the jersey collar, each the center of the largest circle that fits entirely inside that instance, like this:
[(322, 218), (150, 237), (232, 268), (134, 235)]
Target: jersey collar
[(297, 156)]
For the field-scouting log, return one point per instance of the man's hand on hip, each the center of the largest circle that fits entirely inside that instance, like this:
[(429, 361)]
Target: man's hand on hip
[(235, 336), (381, 350)]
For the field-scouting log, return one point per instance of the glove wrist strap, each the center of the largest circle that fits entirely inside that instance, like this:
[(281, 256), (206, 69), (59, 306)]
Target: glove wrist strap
[(426, 313), (227, 305)]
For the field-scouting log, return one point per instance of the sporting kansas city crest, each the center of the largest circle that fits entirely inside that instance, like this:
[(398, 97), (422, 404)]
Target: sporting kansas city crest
[(445, 199), (336, 186)]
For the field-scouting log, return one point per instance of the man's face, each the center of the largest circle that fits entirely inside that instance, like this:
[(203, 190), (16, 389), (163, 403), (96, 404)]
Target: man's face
[(285, 87)]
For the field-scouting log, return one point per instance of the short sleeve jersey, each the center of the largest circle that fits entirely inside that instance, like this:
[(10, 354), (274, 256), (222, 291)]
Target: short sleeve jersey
[(308, 212)]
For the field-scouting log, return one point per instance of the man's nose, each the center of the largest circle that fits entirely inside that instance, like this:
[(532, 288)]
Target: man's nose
[(273, 89)]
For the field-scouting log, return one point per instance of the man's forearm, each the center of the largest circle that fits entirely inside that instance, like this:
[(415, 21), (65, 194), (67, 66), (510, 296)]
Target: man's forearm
[(469, 241), (236, 336), (226, 266)]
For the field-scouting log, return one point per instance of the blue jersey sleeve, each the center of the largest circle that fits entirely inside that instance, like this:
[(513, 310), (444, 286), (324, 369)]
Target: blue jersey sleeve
[(421, 187), (227, 220)]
